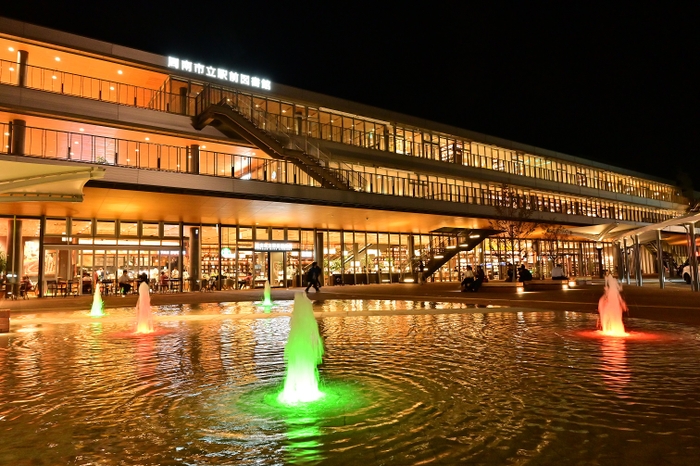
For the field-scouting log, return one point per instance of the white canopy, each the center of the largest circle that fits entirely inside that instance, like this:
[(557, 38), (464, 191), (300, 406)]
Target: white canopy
[(36, 181)]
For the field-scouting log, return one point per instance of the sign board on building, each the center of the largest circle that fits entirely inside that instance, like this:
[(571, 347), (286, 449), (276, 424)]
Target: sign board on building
[(274, 246), (219, 73)]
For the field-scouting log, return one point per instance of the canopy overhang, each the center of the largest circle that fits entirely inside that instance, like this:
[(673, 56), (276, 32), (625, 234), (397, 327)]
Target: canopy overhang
[(35, 181)]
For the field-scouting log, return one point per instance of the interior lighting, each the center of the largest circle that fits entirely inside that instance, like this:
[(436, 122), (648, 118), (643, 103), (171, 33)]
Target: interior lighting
[(11, 49), (7, 134), (565, 286), (520, 289), (111, 88), (439, 256), (451, 246), (12, 69), (408, 280), (120, 72), (58, 58), (81, 129), (148, 139), (54, 77), (572, 283), (204, 147), (473, 236), (284, 111)]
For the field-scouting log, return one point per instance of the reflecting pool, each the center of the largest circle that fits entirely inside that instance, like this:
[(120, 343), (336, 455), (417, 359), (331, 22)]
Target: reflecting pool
[(403, 382)]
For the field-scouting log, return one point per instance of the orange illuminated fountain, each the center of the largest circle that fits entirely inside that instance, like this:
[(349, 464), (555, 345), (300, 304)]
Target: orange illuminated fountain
[(611, 307), (144, 317)]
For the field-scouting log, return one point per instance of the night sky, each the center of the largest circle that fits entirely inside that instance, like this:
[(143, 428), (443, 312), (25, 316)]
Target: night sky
[(616, 84)]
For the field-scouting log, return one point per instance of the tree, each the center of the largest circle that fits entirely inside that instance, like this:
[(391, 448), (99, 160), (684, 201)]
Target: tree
[(513, 219), (554, 235)]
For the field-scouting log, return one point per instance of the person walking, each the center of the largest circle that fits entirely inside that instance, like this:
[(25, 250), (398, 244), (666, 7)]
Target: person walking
[(313, 276)]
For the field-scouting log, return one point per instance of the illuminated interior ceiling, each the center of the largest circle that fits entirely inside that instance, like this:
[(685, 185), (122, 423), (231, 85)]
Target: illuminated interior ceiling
[(103, 203), (31, 182), (129, 135), (60, 60)]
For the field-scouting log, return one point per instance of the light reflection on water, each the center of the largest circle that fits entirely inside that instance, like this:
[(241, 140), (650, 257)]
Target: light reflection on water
[(405, 383)]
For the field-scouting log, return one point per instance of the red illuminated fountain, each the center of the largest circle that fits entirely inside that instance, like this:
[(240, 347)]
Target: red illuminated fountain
[(611, 307)]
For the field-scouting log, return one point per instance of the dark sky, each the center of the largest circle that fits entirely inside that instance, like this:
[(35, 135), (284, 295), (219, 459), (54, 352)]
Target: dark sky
[(613, 83)]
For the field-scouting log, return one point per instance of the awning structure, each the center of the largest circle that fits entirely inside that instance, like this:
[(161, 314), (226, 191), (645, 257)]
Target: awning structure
[(601, 232), (674, 225), (26, 181)]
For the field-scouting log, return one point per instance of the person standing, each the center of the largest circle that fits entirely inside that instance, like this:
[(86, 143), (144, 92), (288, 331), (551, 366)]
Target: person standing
[(313, 276)]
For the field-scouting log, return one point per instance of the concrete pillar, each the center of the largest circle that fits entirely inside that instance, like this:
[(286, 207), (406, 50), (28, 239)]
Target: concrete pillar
[(660, 260), (22, 58), (18, 131), (318, 253), (183, 100), (626, 255), (180, 268), (638, 260), (693, 255), (14, 253), (41, 280), (193, 159), (195, 258)]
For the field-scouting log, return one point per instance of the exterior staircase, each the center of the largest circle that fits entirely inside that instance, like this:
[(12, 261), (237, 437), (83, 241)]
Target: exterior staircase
[(231, 120), (445, 247)]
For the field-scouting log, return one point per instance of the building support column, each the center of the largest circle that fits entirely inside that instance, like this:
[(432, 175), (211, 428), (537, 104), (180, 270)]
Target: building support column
[(193, 159), (41, 279), (660, 260), (318, 253), (693, 255), (18, 131), (638, 260), (180, 258), (220, 265), (14, 253), (626, 254), (22, 59), (195, 258)]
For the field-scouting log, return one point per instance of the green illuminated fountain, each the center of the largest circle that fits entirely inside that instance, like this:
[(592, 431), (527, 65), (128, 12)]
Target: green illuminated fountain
[(98, 305), (267, 300), (303, 353)]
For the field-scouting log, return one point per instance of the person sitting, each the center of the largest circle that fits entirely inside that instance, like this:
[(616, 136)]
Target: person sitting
[(558, 273), (124, 283), (87, 282), (25, 286), (479, 278), (510, 273), (524, 274), (468, 281)]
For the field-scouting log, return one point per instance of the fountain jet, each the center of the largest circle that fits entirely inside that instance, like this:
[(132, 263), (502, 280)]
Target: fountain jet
[(303, 353), (144, 317), (267, 300), (611, 306), (98, 305)]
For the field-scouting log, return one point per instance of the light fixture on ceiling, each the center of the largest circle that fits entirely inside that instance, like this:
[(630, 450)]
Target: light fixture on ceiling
[(58, 58), (120, 72), (81, 129), (11, 49)]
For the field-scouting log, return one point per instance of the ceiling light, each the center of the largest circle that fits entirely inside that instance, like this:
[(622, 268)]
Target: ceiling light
[(136, 150), (7, 134), (148, 139), (12, 69), (11, 49), (120, 72), (111, 88), (82, 129), (58, 58), (76, 142), (204, 147), (53, 77)]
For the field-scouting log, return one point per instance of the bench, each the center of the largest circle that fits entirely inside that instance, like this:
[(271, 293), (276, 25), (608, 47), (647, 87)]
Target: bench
[(544, 285)]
